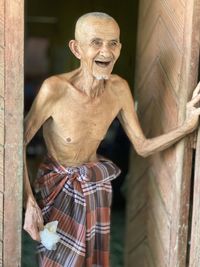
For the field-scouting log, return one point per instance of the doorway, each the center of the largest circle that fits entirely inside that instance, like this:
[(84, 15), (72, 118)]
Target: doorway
[(167, 62), (48, 29)]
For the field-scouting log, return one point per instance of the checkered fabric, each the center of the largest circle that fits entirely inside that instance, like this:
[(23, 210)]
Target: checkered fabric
[(80, 199)]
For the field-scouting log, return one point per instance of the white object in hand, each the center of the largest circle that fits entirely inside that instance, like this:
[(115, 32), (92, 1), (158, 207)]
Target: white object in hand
[(48, 235)]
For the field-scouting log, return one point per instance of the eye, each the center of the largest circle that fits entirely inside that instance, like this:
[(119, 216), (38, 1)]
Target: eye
[(97, 43), (113, 44)]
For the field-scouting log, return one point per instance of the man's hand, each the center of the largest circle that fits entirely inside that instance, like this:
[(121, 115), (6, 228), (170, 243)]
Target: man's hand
[(33, 222), (192, 111)]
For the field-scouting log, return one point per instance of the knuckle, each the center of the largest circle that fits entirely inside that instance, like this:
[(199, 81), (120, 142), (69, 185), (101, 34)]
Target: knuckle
[(188, 105)]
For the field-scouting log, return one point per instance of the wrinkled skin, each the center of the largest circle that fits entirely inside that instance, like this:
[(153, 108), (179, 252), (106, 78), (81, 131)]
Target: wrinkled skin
[(76, 109)]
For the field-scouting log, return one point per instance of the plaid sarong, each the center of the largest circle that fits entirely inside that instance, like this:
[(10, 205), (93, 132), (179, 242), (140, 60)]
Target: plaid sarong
[(80, 199)]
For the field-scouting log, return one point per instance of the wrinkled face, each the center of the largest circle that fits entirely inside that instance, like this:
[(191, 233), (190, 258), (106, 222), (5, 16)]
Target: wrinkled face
[(99, 47)]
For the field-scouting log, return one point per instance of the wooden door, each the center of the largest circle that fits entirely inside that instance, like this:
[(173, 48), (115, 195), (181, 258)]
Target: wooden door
[(159, 186), (11, 130), (194, 238)]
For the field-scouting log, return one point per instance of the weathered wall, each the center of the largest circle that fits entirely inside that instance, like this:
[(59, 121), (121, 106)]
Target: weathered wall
[(159, 186), (11, 129), (2, 51)]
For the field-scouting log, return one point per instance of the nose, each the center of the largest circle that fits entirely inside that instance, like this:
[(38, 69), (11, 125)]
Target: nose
[(105, 50)]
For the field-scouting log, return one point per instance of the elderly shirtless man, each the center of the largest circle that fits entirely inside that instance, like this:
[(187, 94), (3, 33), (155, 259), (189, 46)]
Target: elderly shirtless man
[(76, 110)]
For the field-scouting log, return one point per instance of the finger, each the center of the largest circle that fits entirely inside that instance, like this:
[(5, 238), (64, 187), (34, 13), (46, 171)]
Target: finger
[(32, 228), (40, 225), (196, 90), (33, 232), (36, 236), (197, 111), (194, 100), (40, 221)]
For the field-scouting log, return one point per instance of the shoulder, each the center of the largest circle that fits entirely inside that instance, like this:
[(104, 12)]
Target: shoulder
[(120, 86), (54, 83), (55, 86)]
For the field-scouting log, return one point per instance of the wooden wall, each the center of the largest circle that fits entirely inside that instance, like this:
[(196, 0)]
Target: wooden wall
[(2, 50), (159, 186), (11, 130), (194, 255)]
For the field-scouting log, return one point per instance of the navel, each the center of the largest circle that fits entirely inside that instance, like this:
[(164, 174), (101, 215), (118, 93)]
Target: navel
[(68, 139)]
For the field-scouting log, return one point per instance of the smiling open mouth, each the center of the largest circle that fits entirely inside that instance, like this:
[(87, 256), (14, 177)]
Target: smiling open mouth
[(102, 63)]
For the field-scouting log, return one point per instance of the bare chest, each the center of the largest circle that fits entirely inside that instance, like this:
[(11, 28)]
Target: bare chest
[(78, 120)]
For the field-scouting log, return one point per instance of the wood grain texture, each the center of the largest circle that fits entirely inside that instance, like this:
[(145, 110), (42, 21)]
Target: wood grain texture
[(195, 237), (1, 70), (194, 259), (2, 10), (2, 141), (2, 128), (160, 184), (14, 18)]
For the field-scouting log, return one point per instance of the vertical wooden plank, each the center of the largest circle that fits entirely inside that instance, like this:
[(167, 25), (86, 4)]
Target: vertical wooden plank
[(188, 80), (2, 23), (194, 255), (194, 260), (2, 51), (14, 32)]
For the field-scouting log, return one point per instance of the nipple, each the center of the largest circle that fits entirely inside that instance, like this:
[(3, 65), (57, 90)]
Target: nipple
[(68, 139)]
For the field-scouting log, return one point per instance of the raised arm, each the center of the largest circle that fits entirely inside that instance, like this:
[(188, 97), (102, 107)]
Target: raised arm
[(131, 125), (40, 111)]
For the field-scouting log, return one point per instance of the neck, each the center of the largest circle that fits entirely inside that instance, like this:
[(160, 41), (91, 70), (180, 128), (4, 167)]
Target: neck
[(89, 84)]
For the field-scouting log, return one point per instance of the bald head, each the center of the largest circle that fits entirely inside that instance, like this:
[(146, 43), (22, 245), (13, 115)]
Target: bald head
[(97, 44), (89, 20)]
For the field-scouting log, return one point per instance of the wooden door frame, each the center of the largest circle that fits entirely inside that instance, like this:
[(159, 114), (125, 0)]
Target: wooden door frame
[(190, 67), (181, 189), (194, 253), (13, 134), (13, 126)]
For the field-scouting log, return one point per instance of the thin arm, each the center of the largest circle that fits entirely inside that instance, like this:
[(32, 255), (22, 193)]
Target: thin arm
[(131, 125)]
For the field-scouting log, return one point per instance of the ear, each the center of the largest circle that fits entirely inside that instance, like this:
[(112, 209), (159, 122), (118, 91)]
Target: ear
[(120, 46), (73, 45)]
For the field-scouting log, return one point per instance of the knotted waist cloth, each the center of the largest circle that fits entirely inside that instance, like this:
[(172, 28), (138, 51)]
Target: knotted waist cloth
[(80, 199)]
